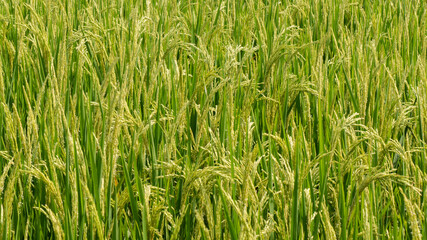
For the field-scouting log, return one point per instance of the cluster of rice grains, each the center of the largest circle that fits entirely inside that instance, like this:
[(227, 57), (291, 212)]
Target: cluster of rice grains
[(243, 119)]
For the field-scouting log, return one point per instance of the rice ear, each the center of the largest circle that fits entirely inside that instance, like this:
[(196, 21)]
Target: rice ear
[(57, 226), (413, 217)]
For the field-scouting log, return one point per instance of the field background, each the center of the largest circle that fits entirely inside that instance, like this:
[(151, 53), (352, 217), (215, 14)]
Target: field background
[(242, 119)]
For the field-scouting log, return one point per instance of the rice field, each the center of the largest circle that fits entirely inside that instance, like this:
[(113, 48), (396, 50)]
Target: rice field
[(220, 119)]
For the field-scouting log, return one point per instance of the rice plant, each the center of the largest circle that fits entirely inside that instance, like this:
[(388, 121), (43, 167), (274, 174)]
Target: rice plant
[(244, 119)]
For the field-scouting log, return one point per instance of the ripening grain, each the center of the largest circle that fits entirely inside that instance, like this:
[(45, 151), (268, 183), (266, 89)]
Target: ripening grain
[(245, 119)]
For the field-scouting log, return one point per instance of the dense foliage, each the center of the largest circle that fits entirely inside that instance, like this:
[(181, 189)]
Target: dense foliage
[(244, 119)]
